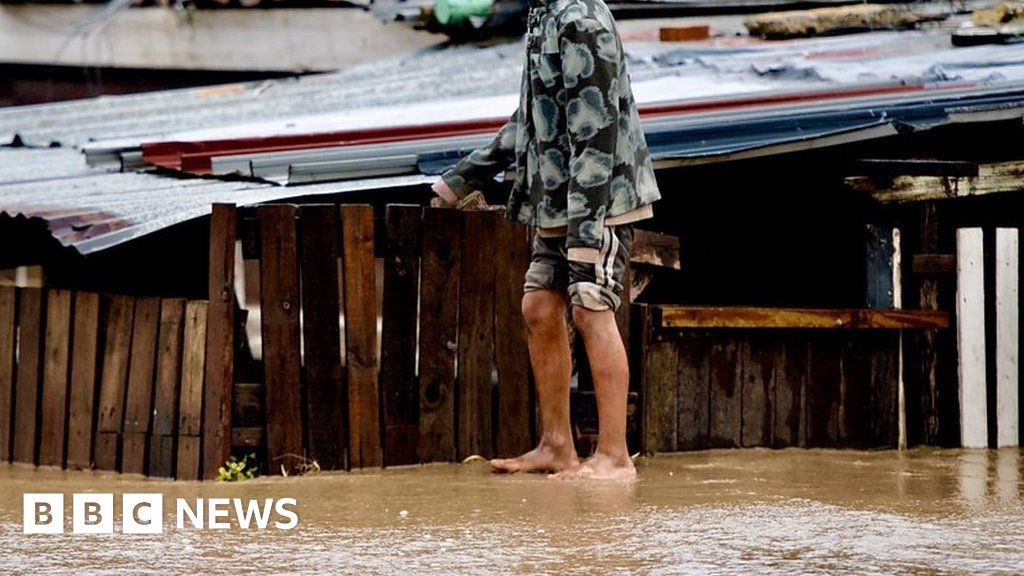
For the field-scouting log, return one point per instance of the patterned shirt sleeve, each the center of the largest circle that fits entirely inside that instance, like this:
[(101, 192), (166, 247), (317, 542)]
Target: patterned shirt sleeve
[(591, 57), (477, 171)]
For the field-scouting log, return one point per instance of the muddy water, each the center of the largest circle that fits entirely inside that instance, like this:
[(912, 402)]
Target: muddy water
[(925, 511)]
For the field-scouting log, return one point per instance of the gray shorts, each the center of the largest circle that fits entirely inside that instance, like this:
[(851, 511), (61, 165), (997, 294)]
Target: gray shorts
[(594, 286)]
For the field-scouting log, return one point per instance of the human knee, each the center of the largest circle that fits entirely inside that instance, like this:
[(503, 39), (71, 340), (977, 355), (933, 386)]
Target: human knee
[(585, 319), (542, 310)]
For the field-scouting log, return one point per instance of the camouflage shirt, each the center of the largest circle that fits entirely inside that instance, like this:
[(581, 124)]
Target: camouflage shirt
[(575, 139)]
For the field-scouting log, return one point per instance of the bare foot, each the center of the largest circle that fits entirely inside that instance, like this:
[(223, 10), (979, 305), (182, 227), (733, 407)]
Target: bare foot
[(546, 457), (601, 467)]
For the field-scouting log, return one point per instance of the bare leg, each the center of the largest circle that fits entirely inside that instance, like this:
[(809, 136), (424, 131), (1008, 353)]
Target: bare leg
[(610, 367), (544, 312)]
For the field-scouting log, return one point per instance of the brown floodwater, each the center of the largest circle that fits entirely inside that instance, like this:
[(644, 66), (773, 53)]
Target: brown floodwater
[(746, 511)]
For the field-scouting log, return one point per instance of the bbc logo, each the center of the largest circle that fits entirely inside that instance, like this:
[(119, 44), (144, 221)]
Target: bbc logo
[(93, 513)]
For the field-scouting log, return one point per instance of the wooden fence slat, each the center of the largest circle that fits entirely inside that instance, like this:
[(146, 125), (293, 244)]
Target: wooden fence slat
[(138, 409), (166, 390), (855, 390), (970, 314), (789, 390), (726, 392), (279, 309), (8, 325), (190, 415), (399, 387), (759, 356), (822, 405), (693, 421), (513, 358), (326, 429), (361, 335), (118, 319), (220, 340), (659, 385), (1007, 337), (439, 310), (54, 401), (27, 386), (84, 375), (476, 334)]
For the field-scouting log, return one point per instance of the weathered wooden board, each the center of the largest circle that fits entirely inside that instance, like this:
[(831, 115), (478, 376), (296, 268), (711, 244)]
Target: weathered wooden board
[(883, 385), (660, 386), (1007, 337), (879, 250), (855, 411), (190, 414), (439, 297), (220, 341), (513, 358), (279, 307), (745, 317), (476, 334), (118, 319), (693, 424), (27, 387), (364, 449), (84, 375), (326, 428), (822, 406), (138, 409), (992, 178), (655, 249), (56, 369), (167, 391), (760, 355), (970, 313), (398, 383), (8, 326), (726, 392), (790, 390)]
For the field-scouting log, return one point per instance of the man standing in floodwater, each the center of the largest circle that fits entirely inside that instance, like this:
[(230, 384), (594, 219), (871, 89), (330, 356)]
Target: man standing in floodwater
[(583, 177)]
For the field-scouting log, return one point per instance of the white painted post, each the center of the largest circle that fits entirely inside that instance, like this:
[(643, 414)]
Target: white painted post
[(1007, 336), (897, 302), (970, 322)]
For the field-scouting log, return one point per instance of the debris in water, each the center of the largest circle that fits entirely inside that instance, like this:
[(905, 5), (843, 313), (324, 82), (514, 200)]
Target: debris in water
[(474, 458)]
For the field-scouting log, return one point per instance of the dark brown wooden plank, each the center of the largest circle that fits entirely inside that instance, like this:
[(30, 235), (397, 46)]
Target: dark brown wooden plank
[(693, 425), (167, 388), (399, 388), (118, 319), (514, 407), (746, 317), (326, 417), (279, 303), (138, 408), (933, 264), (759, 354), (190, 414), (659, 386), (854, 415), (822, 405), (439, 297), (726, 391), (789, 390), (84, 376), (655, 249), (220, 340), (56, 369), (883, 394), (8, 325), (476, 334), (28, 385), (361, 335)]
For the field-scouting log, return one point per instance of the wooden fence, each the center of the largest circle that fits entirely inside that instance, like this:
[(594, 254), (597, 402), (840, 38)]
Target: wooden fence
[(111, 382), (452, 376)]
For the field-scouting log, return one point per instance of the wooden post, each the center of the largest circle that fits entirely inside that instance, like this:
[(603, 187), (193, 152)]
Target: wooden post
[(190, 416), (84, 356), (30, 345), (439, 309), (220, 340), (970, 312), (513, 357), (1007, 336), (361, 335), (279, 310), (398, 340), (8, 324), (476, 334), (118, 318), (166, 389), (326, 427), (56, 369)]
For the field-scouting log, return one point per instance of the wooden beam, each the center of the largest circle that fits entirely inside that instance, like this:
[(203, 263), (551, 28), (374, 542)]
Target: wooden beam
[(1007, 336), (993, 178), (749, 317), (655, 249), (220, 340), (970, 313), (933, 264)]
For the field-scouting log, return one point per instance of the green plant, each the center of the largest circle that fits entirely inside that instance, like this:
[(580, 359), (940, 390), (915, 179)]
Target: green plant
[(235, 470)]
